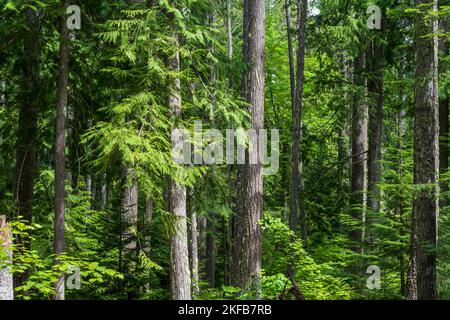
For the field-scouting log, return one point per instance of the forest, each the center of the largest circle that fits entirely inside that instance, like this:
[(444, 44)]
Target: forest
[(224, 150)]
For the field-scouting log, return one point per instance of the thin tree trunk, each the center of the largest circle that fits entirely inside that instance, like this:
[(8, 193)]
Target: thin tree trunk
[(247, 233), (128, 227), (180, 272), (194, 246), (26, 158), (359, 160), (228, 223), (129, 212), (297, 185), (60, 146), (211, 250), (6, 277), (375, 84), (443, 114), (422, 277)]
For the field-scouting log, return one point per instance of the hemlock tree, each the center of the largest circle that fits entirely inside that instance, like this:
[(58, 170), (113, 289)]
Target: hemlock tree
[(247, 232), (422, 273), (180, 276), (60, 146)]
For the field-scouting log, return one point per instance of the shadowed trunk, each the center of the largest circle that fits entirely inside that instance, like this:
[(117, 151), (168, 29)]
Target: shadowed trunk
[(26, 157), (422, 275), (375, 84), (359, 160)]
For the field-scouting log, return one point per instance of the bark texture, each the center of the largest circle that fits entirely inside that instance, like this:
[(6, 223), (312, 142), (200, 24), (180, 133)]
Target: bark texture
[(180, 272), (422, 277), (60, 146), (297, 186), (359, 158), (247, 231), (443, 111)]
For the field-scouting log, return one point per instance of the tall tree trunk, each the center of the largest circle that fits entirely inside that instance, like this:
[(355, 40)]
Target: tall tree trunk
[(359, 159), (443, 113), (60, 146), (247, 233), (180, 273), (6, 277), (297, 186), (426, 160), (228, 223), (26, 158), (375, 84)]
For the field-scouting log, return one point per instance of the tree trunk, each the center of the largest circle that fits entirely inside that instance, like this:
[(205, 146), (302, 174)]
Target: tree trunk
[(443, 113), (375, 84), (247, 233), (60, 146), (297, 186), (129, 212), (426, 160), (26, 158), (6, 278), (180, 273), (229, 222), (211, 250), (194, 247), (359, 144)]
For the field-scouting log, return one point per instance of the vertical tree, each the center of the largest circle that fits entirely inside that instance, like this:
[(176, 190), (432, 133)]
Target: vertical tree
[(422, 276), (26, 145), (359, 145), (375, 85), (247, 231), (443, 110), (60, 146), (211, 249), (128, 227), (180, 273), (194, 245), (297, 195)]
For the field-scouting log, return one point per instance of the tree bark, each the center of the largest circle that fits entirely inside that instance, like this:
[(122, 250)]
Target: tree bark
[(359, 159), (180, 272), (194, 247), (297, 185), (26, 157), (247, 232), (443, 113), (6, 278), (211, 250), (375, 85), (60, 146), (426, 160)]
